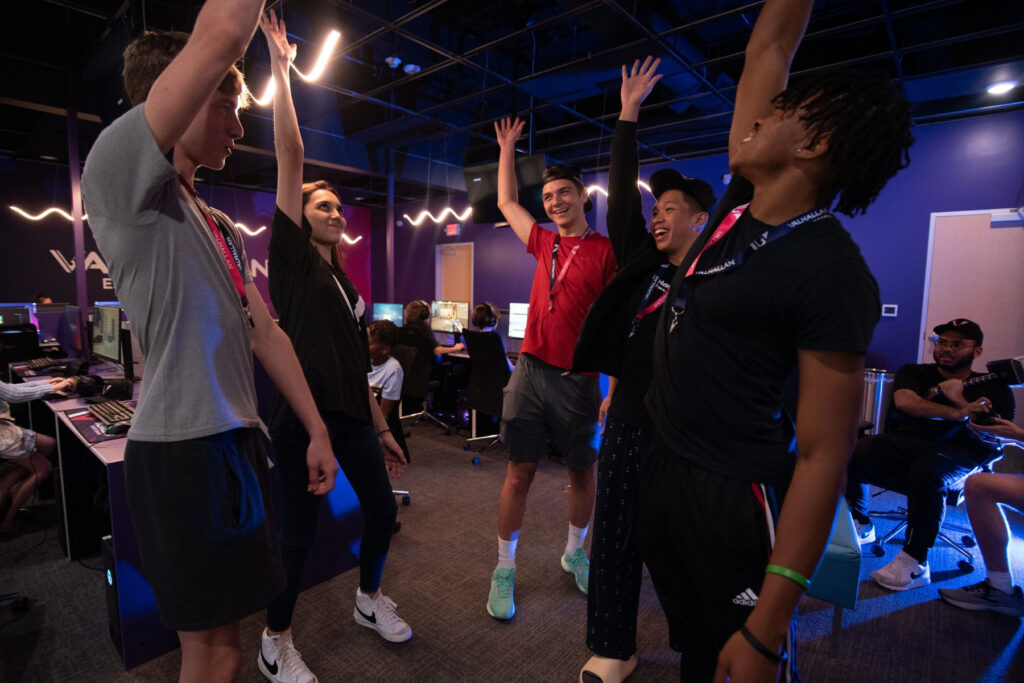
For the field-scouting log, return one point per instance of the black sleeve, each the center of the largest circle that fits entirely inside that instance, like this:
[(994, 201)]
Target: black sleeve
[(837, 308), (911, 377), (626, 226), (289, 244)]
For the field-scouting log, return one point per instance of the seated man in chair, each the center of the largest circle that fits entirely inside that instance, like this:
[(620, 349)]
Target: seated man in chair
[(929, 448)]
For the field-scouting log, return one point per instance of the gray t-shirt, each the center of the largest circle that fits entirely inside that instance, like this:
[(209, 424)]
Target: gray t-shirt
[(175, 287)]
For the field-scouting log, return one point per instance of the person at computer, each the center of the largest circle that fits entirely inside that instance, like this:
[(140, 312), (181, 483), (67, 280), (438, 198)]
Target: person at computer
[(930, 446), (26, 449), (196, 458), (543, 400), (417, 323), (985, 494), (616, 339), (322, 313), (773, 287), (485, 318)]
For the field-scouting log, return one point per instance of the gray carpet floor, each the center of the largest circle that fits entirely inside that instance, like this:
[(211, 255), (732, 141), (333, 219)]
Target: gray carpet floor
[(438, 573)]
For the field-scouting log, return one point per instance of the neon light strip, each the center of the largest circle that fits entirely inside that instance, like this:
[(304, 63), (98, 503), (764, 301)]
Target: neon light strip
[(333, 38), (251, 233), (437, 219)]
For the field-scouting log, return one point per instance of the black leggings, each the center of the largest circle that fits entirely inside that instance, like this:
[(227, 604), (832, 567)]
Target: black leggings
[(358, 452)]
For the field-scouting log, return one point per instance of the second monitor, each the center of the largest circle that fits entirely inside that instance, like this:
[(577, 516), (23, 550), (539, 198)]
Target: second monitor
[(449, 316)]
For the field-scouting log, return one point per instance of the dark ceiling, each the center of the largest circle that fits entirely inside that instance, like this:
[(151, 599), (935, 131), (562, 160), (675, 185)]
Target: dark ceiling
[(556, 62)]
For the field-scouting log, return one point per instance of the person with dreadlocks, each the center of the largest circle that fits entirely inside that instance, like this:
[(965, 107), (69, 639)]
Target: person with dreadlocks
[(773, 286)]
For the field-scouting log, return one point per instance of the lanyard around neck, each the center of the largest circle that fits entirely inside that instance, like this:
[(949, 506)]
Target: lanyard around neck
[(739, 258), (556, 281), (650, 303), (227, 248)]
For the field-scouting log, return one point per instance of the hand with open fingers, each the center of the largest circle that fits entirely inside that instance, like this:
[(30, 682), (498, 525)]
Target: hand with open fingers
[(322, 466), (394, 458), (638, 82), (508, 131), (61, 383), (1002, 428), (277, 38), (982, 406), (739, 662)]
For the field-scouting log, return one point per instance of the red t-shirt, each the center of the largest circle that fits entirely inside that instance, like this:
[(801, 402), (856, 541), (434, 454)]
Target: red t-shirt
[(551, 335)]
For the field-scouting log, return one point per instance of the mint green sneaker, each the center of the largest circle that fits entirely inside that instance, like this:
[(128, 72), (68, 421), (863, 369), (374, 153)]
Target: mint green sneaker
[(578, 565), (500, 604)]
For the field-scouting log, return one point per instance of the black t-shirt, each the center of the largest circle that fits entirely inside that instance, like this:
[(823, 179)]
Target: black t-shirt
[(627, 403), (421, 336), (329, 340), (921, 379), (716, 395)]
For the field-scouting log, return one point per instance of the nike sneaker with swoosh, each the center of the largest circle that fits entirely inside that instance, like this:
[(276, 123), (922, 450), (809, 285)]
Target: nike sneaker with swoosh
[(381, 616), (280, 662), (903, 573)]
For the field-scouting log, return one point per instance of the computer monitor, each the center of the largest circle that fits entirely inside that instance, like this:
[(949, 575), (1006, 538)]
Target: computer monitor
[(50, 317), (106, 333), (517, 320), (392, 312), (18, 314), (69, 333), (449, 316)]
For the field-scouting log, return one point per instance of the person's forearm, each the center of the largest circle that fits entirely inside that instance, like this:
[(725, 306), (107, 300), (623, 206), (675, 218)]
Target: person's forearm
[(779, 28), (909, 403), (21, 393), (275, 352), (625, 218), (508, 189), (227, 26), (380, 423), (287, 139)]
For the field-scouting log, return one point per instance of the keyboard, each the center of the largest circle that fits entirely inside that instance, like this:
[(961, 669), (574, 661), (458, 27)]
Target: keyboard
[(110, 412), (39, 363)]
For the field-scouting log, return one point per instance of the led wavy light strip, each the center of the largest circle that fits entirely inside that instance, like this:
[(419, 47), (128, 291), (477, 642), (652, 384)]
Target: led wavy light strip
[(465, 214), (64, 214), (437, 219), (333, 38)]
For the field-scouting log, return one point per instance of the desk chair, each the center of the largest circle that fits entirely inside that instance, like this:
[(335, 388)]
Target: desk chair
[(416, 364), (836, 579), (488, 375)]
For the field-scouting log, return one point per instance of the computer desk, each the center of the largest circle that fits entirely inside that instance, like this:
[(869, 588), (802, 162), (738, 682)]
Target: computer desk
[(84, 469)]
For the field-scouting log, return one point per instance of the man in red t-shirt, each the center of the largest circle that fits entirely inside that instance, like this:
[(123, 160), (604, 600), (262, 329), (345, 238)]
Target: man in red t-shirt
[(543, 401)]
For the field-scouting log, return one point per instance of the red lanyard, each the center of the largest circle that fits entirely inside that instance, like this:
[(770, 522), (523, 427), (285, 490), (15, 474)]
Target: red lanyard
[(723, 229), (555, 281), (228, 251)]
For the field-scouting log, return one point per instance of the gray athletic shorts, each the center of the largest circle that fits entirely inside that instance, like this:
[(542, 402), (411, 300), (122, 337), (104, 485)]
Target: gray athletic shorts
[(542, 403), (16, 443)]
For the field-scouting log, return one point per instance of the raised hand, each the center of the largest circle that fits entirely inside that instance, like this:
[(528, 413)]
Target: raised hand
[(637, 84), (508, 131), (277, 38)]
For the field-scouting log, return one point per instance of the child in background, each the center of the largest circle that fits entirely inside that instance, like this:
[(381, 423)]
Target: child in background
[(385, 374)]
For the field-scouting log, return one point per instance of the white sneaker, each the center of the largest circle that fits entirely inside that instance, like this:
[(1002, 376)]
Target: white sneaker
[(903, 573), (279, 661), (865, 532), (380, 615)]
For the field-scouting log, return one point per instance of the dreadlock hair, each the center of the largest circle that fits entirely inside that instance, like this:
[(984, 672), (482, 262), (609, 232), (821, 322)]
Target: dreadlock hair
[(868, 124), (384, 331), (559, 172), (337, 258)]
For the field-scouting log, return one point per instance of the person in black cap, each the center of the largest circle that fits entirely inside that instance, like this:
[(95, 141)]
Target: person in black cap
[(928, 444), (616, 339)]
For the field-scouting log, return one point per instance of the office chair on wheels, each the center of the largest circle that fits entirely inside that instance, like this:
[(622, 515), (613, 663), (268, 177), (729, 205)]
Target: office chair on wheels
[(416, 364), (488, 375)]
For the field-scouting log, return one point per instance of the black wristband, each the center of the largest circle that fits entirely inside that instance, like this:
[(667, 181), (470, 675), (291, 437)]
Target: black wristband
[(760, 647), (383, 431)]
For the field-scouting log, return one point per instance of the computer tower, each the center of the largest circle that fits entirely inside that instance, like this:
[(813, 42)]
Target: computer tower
[(110, 587)]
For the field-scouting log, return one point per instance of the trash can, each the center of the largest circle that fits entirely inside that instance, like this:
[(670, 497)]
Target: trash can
[(877, 398)]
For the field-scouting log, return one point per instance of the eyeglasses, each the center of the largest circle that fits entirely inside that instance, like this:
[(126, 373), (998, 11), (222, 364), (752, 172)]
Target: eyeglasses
[(955, 344)]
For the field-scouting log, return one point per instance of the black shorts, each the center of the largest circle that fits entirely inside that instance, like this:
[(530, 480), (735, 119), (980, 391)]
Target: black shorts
[(207, 532), (706, 540), (542, 403)]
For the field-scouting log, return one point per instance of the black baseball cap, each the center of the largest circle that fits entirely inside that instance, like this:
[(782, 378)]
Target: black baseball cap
[(670, 179), (968, 328)]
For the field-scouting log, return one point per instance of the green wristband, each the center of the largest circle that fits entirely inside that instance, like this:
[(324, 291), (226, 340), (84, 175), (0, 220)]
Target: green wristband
[(788, 573)]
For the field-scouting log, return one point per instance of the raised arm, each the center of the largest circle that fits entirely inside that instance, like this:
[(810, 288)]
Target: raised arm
[(625, 219), (287, 139), (769, 53), (508, 132), (222, 31)]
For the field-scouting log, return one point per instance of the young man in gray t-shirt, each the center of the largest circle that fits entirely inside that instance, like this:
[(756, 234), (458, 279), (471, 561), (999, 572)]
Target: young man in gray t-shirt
[(195, 463)]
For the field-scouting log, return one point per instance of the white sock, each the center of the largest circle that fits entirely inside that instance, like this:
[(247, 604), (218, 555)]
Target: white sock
[(1001, 580), (507, 551), (576, 538)]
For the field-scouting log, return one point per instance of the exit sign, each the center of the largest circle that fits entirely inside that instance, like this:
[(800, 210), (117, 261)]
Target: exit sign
[(453, 229)]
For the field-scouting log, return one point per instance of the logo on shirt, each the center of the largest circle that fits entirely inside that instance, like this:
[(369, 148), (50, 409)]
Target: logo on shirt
[(747, 598)]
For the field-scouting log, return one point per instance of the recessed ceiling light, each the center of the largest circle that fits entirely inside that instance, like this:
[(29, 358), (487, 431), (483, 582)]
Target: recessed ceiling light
[(359, 199), (394, 61), (1001, 88), (48, 157), (411, 69)]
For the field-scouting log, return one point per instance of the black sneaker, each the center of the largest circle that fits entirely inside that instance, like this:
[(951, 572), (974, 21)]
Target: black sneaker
[(983, 596)]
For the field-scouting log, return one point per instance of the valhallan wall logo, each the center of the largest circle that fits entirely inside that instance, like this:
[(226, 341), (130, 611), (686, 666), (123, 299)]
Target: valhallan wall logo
[(93, 261)]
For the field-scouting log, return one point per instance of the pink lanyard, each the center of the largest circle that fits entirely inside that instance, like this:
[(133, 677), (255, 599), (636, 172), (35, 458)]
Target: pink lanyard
[(228, 251), (555, 281), (723, 229)]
